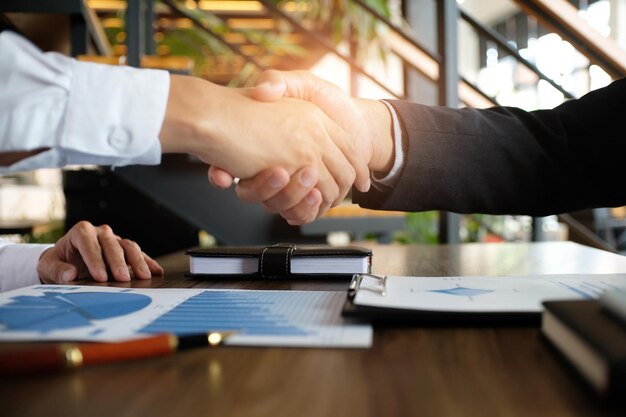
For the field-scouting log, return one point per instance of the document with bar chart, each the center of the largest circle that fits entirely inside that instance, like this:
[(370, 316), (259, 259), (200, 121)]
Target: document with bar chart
[(260, 318)]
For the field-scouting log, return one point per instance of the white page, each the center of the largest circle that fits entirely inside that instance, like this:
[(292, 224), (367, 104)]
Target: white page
[(299, 265), (262, 318), (483, 294)]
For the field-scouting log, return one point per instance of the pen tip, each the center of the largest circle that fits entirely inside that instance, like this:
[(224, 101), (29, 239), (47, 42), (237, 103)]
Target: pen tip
[(215, 338)]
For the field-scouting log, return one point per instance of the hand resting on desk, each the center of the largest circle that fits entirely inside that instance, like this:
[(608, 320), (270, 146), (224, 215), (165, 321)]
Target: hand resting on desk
[(88, 250)]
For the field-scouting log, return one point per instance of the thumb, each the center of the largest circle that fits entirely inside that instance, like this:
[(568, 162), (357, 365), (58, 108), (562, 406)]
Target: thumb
[(219, 178), (270, 87), (55, 271)]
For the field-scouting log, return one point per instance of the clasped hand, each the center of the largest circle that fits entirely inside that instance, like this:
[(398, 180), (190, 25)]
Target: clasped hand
[(236, 131), (301, 197)]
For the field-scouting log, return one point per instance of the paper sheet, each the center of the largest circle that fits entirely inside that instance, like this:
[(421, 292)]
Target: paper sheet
[(263, 318), (483, 294)]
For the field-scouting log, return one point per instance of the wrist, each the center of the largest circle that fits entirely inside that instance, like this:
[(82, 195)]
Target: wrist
[(379, 128), (189, 124)]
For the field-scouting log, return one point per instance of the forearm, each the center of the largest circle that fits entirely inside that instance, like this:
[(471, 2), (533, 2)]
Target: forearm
[(510, 161), (56, 111), (190, 124)]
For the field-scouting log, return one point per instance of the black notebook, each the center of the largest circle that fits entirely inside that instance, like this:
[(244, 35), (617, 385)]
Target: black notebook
[(281, 261), (590, 339)]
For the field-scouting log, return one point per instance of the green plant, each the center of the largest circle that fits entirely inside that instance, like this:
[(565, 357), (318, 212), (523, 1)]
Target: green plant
[(347, 20), (420, 228), (50, 234)]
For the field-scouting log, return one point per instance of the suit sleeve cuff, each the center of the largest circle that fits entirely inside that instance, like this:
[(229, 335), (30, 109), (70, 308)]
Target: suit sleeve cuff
[(392, 177)]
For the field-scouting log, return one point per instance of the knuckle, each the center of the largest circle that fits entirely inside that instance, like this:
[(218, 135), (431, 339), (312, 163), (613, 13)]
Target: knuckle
[(105, 229), (270, 72), (323, 209), (269, 207), (243, 194), (345, 181), (308, 217), (299, 215), (130, 244), (83, 227), (329, 199)]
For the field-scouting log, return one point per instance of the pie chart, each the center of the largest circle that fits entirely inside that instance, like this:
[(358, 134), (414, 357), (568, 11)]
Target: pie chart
[(57, 310)]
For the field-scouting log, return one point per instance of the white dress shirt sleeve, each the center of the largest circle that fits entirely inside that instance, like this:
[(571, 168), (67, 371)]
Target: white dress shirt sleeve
[(393, 175), (18, 264), (83, 113)]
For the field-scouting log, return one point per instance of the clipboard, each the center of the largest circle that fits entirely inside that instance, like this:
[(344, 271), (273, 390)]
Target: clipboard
[(417, 316)]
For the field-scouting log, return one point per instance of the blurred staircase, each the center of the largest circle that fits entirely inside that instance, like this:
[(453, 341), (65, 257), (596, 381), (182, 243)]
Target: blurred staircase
[(239, 39)]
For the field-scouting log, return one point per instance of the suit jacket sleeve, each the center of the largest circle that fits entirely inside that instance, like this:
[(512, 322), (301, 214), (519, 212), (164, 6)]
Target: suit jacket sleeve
[(508, 161)]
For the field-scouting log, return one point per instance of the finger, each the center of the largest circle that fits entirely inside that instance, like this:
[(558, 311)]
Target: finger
[(134, 258), (302, 182), (263, 186), (338, 165), (306, 211), (270, 87), (328, 188), (58, 272), (346, 144), (113, 253), (219, 178), (154, 266), (52, 270), (84, 237), (337, 105)]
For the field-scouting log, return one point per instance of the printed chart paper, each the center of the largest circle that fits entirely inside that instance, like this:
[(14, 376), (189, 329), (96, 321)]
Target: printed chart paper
[(483, 294), (261, 318)]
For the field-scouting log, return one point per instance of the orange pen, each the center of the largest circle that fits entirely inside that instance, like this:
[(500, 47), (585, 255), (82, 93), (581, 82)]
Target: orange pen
[(57, 357)]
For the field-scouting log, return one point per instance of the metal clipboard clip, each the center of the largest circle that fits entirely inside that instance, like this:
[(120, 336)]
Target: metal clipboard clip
[(357, 279)]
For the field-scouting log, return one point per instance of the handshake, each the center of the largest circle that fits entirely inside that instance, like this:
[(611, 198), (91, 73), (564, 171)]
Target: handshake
[(297, 143)]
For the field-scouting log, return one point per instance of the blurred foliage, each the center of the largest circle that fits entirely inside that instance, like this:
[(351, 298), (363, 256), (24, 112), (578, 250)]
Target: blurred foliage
[(341, 19), (420, 228), (423, 228), (48, 234), (347, 20)]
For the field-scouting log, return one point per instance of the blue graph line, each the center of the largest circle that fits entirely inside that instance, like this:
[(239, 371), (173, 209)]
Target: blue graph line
[(248, 313), (463, 291), (578, 291)]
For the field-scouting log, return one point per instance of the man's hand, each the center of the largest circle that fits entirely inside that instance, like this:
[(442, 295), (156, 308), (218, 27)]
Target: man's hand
[(296, 198), (225, 127), (367, 120), (87, 250)]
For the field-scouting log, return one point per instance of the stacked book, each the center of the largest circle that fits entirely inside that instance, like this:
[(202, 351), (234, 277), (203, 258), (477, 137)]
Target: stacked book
[(591, 335)]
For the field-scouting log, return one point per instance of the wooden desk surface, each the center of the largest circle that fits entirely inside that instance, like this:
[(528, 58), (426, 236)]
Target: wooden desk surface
[(418, 371)]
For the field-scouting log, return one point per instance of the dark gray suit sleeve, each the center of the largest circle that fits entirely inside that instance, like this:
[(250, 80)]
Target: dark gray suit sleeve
[(508, 161)]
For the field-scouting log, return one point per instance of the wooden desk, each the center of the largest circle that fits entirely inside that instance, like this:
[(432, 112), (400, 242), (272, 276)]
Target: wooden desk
[(421, 371)]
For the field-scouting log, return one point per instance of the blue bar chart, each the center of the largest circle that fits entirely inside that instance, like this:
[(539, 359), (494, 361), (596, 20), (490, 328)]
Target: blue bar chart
[(250, 312)]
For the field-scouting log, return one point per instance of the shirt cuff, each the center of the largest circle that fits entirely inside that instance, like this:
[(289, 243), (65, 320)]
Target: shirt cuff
[(84, 113), (18, 265), (115, 112), (393, 175)]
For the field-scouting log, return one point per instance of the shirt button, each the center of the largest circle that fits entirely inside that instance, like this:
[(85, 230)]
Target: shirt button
[(119, 139)]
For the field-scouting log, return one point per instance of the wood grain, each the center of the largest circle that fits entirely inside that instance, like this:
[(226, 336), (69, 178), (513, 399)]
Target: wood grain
[(410, 371)]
